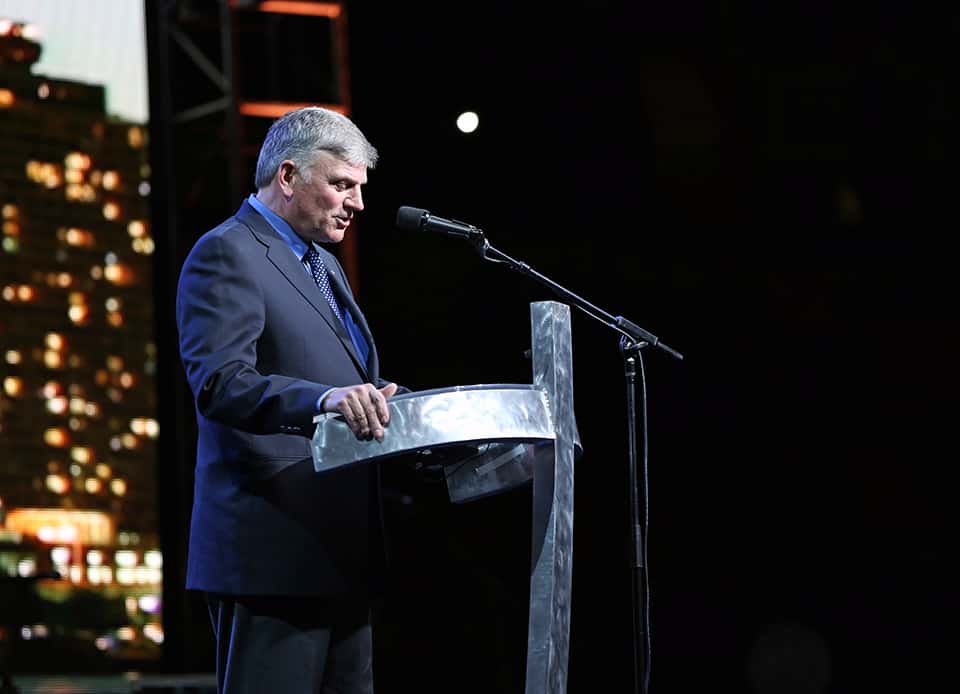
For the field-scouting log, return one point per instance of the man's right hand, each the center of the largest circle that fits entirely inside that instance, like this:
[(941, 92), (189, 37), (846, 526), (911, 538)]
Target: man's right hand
[(364, 408)]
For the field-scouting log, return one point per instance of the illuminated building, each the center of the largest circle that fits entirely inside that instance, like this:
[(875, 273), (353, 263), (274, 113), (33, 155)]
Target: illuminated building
[(77, 358)]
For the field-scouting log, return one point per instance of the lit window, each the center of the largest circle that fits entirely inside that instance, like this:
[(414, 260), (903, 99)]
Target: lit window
[(77, 160), (111, 210), (118, 274), (153, 631), (13, 386), (79, 315), (52, 359), (56, 437), (57, 405), (110, 180), (79, 237), (58, 484), (126, 558), (135, 137), (81, 454)]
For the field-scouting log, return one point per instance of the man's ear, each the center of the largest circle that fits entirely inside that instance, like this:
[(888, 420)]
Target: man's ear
[(285, 175)]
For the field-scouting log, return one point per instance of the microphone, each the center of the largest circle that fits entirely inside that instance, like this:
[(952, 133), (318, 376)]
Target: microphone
[(415, 219)]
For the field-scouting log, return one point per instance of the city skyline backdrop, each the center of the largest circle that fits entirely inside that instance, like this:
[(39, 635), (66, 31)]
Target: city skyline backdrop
[(80, 559), (74, 34)]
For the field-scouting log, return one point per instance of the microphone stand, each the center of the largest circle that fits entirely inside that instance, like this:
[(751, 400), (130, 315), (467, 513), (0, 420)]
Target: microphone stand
[(633, 339)]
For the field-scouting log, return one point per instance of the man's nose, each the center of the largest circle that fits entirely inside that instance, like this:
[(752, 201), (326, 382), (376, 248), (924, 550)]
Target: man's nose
[(355, 200)]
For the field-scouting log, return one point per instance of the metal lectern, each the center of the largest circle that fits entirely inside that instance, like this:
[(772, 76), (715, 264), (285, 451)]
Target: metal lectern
[(502, 435)]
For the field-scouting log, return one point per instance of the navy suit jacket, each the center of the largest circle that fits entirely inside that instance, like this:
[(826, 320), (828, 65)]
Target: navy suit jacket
[(260, 344)]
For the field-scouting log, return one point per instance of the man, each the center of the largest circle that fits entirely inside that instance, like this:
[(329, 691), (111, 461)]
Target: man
[(270, 336)]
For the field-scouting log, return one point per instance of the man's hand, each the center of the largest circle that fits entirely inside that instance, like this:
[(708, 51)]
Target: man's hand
[(364, 408)]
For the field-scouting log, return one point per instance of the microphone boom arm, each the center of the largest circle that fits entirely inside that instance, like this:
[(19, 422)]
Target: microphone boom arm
[(636, 335)]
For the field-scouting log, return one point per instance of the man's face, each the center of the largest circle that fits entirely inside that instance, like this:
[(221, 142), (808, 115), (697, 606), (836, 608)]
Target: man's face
[(322, 209)]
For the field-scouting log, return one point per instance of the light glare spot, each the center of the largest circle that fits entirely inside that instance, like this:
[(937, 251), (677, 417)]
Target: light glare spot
[(468, 121)]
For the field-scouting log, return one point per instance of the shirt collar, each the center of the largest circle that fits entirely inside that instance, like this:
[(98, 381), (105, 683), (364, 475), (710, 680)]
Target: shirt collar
[(281, 226)]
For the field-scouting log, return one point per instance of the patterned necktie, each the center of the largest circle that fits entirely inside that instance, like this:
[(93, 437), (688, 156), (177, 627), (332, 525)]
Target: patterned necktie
[(319, 272)]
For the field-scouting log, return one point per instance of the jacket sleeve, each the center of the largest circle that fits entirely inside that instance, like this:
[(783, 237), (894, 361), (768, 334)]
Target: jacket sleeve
[(220, 317)]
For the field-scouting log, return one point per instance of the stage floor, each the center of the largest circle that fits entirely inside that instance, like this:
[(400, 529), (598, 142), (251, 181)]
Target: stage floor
[(127, 683)]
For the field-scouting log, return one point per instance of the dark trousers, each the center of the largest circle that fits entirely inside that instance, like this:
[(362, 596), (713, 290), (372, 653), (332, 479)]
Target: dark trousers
[(292, 645)]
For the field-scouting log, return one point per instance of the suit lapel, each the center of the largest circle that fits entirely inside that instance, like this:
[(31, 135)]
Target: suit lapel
[(287, 264)]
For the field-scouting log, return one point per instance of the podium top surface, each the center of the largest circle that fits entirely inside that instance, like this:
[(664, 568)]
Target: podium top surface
[(459, 389), (426, 419)]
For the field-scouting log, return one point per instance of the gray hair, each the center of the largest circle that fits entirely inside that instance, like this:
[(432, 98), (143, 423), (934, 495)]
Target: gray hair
[(301, 134)]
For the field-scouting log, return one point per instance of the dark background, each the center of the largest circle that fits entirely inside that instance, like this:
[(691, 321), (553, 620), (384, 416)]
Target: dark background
[(767, 188)]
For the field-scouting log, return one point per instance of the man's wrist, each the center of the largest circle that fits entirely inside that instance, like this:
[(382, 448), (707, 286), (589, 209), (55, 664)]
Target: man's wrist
[(322, 398)]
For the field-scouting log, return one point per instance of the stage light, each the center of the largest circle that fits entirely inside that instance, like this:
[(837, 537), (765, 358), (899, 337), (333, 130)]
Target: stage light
[(468, 121)]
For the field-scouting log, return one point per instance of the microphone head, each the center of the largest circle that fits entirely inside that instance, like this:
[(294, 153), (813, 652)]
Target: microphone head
[(411, 218)]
